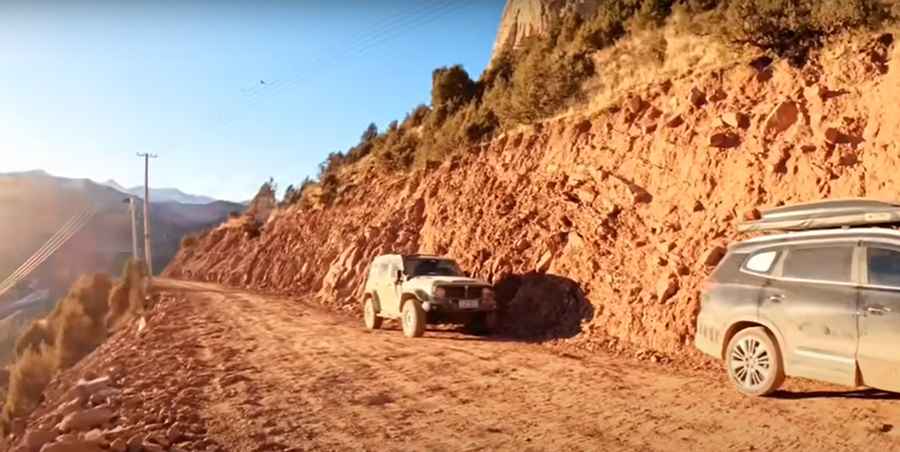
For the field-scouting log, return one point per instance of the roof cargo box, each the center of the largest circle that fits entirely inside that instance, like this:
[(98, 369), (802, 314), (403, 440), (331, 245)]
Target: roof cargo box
[(827, 214)]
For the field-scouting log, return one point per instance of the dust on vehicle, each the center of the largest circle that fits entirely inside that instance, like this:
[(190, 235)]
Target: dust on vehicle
[(424, 289)]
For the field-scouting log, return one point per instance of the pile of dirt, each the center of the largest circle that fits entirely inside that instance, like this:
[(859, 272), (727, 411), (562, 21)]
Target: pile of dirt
[(604, 223)]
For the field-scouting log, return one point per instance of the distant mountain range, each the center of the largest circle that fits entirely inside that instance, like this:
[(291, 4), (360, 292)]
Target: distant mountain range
[(34, 205), (162, 194)]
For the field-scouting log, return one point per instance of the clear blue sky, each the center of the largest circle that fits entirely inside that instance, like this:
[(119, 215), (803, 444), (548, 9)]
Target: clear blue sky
[(84, 85)]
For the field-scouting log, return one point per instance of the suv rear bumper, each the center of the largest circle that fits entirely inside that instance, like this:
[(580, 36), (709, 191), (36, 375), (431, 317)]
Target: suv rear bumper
[(708, 337)]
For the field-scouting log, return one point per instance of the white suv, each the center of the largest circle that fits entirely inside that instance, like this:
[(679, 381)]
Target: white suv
[(421, 289)]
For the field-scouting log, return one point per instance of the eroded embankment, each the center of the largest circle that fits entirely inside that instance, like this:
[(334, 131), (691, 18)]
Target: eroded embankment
[(602, 223)]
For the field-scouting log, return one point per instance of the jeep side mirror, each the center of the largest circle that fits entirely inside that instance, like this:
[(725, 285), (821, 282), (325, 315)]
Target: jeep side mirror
[(399, 276)]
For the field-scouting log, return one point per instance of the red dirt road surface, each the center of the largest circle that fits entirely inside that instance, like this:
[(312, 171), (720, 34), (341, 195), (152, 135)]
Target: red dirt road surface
[(246, 372)]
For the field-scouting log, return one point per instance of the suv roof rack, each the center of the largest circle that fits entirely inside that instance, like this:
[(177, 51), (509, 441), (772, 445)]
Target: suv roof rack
[(834, 213)]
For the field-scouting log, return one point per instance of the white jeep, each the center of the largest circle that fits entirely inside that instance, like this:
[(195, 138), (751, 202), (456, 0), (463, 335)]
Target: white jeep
[(421, 289)]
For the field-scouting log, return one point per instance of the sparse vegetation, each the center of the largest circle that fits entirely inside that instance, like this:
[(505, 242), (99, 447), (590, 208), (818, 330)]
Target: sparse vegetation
[(78, 324), (547, 74)]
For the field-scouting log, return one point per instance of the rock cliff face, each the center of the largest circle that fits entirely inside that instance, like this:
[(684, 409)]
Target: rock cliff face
[(523, 18), (602, 224)]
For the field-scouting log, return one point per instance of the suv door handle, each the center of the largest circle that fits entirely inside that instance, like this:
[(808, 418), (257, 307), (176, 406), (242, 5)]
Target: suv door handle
[(777, 298), (878, 310)]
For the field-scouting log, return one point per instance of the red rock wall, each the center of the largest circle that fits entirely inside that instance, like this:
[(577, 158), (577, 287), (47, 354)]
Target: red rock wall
[(608, 217)]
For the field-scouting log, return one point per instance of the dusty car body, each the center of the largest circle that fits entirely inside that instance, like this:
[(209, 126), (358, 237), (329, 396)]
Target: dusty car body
[(425, 289), (820, 304)]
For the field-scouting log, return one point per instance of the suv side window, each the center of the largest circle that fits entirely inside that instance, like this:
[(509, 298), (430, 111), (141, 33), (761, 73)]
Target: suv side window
[(826, 263), (884, 267), (761, 262)]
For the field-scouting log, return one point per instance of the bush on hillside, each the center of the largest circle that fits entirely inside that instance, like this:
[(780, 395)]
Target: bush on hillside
[(127, 296), (36, 336), (28, 377), (75, 327), (546, 74), (451, 87), (791, 28)]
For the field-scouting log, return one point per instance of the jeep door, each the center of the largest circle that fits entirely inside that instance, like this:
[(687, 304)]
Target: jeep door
[(879, 321), (813, 301), (389, 292)]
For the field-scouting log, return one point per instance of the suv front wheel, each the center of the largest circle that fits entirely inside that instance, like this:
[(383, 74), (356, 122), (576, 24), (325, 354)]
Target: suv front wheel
[(413, 319), (753, 362)]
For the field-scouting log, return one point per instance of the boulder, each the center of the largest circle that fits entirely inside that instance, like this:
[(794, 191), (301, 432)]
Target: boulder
[(72, 445), (736, 120), (84, 389), (674, 120), (834, 135), (175, 433), (86, 419), (666, 288), (135, 443), (35, 439), (119, 445), (697, 97), (783, 117), (724, 139), (713, 255)]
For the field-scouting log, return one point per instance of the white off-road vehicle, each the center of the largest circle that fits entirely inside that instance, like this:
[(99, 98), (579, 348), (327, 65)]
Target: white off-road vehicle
[(421, 289)]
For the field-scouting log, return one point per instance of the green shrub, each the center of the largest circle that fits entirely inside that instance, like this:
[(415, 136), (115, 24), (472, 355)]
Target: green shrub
[(791, 28), (451, 87)]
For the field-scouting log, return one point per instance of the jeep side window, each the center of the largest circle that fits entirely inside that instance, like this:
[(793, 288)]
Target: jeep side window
[(827, 263), (761, 262), (884, 267)]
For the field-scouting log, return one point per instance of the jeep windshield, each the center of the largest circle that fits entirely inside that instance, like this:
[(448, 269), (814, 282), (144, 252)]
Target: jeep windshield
[(431, 267)]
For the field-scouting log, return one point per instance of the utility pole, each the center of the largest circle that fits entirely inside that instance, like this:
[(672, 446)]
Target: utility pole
[(147, 254), (134, 239)]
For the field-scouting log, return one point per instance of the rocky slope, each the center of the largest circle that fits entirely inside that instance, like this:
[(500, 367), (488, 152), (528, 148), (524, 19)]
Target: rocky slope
[(602, 223)]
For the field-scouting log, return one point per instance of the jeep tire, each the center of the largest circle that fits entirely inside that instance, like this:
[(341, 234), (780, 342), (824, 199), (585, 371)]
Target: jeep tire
[(370, 315), (413, 318)]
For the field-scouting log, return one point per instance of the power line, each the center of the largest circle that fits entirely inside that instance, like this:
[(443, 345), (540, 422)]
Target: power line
[(367, 43), (60, 238), (50, 243)]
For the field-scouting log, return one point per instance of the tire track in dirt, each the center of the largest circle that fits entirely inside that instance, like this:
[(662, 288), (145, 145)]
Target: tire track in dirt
[(288, 376)]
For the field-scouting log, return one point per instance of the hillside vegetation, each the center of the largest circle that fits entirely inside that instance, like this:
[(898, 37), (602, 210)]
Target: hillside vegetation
[(78, 324), (551, 73)]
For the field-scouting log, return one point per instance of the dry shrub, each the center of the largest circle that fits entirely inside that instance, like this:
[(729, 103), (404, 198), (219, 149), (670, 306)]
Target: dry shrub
[(127, 296), (28, 377), (77, 335), (36, 336)]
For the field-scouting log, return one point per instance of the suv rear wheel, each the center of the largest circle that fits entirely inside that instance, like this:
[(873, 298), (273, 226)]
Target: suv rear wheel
[(413, 319), (753, 362), (370, 315)]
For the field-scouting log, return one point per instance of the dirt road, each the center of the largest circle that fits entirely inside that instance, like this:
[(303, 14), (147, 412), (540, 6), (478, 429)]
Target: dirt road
[(283, 375)]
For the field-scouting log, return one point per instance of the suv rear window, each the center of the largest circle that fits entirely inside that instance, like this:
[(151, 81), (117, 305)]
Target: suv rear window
[(884, 267), (830, 263)]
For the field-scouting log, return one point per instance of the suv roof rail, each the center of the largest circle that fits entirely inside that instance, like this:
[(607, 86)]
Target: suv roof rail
[(832, 213)]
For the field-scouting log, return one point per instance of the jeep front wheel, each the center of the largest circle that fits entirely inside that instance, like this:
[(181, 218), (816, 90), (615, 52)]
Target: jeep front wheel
[(413, 319), (370, 316)]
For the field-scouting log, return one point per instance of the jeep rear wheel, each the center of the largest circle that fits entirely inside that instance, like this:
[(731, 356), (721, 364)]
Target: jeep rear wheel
[(413, 319), (370, 315)]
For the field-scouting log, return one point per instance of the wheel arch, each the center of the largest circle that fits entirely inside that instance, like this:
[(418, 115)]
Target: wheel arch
[(406, 297), (375, 301), (740, 325)]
